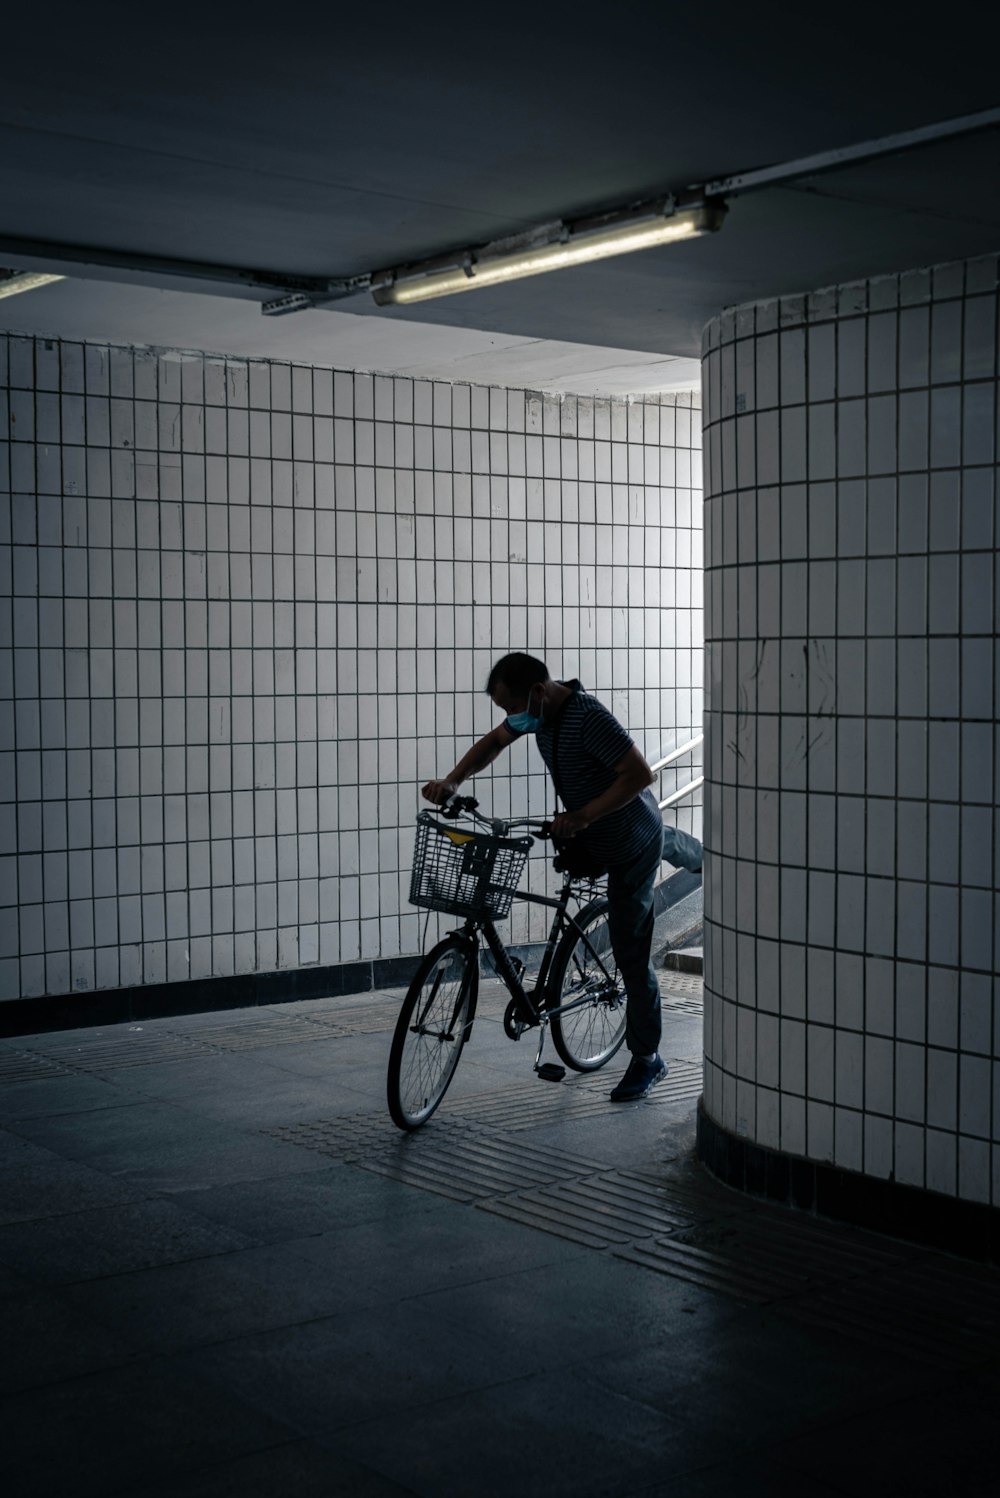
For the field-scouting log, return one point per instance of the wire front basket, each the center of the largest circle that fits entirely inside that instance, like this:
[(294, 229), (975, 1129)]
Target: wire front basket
[(460, 872)]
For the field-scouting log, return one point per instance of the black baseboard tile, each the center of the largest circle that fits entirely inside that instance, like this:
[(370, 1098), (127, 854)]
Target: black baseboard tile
[(149, 1001), (64, 1012), (970, 1229), (393, 972)]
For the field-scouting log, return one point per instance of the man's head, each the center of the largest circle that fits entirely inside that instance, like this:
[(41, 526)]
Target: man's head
[(514, 681)]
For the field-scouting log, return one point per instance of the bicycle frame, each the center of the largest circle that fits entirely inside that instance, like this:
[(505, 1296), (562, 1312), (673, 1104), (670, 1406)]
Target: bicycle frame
[(535, 1013), (576, 971)]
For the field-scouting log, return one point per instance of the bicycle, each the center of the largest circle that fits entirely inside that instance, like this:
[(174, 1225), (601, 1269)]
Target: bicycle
[(578, 993)]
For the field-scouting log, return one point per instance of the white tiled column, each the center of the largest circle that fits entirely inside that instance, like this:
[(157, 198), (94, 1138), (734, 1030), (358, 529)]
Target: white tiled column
[(246, 609), (852, 1001)]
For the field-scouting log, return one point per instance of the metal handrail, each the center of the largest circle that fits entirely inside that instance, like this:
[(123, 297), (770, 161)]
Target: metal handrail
[(685, 790), (678, 753)]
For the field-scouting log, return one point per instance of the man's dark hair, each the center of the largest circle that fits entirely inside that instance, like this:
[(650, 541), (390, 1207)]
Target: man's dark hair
[(518, 673)]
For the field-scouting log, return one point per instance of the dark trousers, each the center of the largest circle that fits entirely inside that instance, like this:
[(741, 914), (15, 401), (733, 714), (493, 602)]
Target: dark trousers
[(630, 927)]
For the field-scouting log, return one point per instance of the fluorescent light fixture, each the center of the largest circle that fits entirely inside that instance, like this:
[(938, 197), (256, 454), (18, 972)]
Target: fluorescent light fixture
[(13, 282), (551, 247)]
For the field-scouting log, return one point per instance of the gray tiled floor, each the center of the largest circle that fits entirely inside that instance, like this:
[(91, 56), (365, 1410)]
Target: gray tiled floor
[(224, 1272)]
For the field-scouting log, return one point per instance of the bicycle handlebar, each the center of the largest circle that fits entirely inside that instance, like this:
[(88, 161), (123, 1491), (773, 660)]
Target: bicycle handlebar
[(458, 806), (454, 806)]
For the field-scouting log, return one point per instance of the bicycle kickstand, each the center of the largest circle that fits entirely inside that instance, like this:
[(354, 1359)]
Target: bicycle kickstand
[(549, 1071)]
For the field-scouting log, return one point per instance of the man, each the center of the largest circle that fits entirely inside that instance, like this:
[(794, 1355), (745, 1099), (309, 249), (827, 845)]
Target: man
[(604, 783)]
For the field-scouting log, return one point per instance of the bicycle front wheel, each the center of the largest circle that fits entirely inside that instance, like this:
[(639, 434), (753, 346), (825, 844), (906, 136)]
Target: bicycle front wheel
[(431, 1031), (586, 987)]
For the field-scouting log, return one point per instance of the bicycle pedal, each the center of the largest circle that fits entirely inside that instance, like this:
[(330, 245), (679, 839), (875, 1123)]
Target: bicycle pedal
[(550, 1072)]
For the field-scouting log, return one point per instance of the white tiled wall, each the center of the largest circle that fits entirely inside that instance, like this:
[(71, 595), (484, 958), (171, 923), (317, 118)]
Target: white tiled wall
[(246, 609), (852, 597)]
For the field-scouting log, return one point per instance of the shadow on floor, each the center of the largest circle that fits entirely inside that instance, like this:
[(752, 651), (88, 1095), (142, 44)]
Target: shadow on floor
[(224, 1272)]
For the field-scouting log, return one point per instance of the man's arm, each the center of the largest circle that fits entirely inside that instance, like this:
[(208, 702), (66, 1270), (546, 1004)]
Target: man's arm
[(483, 752), (632, 775)]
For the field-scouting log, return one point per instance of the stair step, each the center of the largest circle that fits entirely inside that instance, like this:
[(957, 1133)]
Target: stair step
[(685, 960)]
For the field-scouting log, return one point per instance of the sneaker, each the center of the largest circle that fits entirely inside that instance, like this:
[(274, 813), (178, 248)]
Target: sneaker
[(639, 1079)]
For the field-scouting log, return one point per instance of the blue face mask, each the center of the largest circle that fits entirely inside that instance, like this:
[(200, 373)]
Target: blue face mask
[(525, 722)]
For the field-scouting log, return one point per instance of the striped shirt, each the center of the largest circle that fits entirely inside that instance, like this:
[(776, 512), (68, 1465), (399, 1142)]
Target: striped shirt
[(591, 743)]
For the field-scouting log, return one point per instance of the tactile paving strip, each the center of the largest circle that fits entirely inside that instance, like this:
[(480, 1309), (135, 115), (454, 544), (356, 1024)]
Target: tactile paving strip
[(455, 1160), (134, 1047), (253, 1033), (141, 1046), (676, 1222), (512, 1110), (376, 1018), (344, 1023), (534, 1103), (683, 985), (682, 1006), (379, 1016), (682, 993), (473, 1165), (765, 1255), (26, 1066), (682, 1224), (348, 1137), (609, 1209), (147, 1047)]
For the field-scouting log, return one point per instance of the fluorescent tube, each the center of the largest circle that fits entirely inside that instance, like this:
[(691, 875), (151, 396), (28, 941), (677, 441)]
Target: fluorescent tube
[(25, 281), (530, 255)]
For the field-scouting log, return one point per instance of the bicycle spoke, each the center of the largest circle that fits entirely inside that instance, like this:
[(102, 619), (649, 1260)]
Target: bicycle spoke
[(588, 1015), (429, 1037), (431, 996)]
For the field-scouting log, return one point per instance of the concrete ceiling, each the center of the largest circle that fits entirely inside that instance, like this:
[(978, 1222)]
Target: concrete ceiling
[(329, 142), (105, 312)]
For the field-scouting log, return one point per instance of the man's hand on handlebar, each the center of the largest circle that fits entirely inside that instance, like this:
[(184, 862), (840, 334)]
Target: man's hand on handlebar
[(437, 792), (568, 823), (444, 795)]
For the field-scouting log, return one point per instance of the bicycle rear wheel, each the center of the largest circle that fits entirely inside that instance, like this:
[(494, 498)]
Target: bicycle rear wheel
[(431, 1031), (585, 976)]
